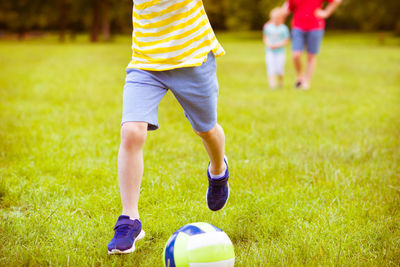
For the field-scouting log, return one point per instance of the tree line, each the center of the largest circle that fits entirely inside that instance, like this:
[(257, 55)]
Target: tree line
[(102, 18)]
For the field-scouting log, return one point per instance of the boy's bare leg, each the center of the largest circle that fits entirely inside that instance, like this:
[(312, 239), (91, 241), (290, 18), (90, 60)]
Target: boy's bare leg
[(311, 63), (297, 65), (214, 142), (130, 165), (272, 81)]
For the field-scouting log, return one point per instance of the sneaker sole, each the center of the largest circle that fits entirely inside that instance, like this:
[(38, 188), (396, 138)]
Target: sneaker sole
[(129, 250)]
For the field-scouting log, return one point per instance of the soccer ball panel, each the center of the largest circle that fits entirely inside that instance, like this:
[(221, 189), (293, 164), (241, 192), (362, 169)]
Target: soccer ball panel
[(199, 245)]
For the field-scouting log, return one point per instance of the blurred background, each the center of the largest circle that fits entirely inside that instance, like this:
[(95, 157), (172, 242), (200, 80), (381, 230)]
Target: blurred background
[(104, 18)]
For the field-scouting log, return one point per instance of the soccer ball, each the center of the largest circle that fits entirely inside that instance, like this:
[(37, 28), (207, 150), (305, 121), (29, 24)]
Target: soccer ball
[(199, 244)]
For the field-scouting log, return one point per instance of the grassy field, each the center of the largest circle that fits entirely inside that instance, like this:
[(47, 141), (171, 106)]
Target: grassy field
[(315, 176)]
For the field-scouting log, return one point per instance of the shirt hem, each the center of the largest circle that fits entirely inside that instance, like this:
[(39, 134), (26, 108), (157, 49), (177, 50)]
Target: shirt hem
[(308, 29), (188, 65)]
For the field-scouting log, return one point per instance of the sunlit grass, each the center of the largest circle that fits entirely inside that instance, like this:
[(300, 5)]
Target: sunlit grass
[(314, 175)]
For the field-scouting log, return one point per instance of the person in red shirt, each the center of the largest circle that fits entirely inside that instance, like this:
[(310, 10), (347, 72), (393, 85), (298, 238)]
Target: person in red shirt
[(308, 26)]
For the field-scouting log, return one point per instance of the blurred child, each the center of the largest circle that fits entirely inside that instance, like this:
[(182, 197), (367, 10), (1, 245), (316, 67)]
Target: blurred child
[(276, 37)]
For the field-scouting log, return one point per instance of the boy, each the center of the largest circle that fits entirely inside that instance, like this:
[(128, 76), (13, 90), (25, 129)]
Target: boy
[(276, 36), (173, 49)]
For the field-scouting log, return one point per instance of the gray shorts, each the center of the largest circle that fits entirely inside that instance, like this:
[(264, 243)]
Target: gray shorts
[(195, 88)]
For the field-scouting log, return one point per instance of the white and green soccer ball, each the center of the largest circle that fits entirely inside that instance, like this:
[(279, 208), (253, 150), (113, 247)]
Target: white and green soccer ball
[(199, 245)]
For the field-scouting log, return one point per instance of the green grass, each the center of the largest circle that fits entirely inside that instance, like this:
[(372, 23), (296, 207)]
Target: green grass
[(315, 176)]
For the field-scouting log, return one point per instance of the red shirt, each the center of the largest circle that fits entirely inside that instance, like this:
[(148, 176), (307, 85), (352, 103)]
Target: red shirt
[(303, 14)]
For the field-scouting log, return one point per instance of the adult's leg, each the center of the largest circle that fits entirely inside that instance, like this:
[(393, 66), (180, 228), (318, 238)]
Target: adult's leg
[(298, 40), (130, 165), (311, 63), (298, 66), (214, 143), (313, 40)]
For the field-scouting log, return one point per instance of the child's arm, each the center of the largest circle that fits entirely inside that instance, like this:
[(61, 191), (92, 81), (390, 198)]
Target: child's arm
[(273, 46), (279, 45), (285, 36), (325, 13), (265, 39)]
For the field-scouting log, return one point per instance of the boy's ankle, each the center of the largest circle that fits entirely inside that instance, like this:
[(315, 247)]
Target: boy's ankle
[(220, 171), (132, 215), (217, 174)]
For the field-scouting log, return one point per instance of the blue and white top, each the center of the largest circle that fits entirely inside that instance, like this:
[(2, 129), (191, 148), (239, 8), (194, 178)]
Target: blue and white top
[(276, 34)]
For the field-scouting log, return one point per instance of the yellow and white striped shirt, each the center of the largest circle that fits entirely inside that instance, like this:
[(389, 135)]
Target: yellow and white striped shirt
[(170, 34)]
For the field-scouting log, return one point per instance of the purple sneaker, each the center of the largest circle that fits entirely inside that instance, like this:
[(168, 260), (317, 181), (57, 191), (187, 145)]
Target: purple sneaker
[(218, 190), (127, 232)]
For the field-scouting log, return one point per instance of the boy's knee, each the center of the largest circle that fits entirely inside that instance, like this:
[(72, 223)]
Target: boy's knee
[(133, 134), (209, 133), (203, 134)]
